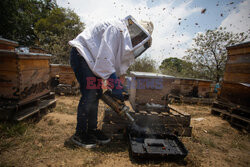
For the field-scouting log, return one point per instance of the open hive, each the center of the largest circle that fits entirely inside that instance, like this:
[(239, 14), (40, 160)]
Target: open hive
[(233, 99), (160, 120), (24, 77)]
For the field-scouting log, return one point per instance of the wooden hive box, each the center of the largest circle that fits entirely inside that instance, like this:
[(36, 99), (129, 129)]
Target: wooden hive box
[(236, 82), (6, 44), (152, 87), (204, 88), (54, 70), (149, 88), (66, 74), (153, 118), (23, 76), (233, 101)]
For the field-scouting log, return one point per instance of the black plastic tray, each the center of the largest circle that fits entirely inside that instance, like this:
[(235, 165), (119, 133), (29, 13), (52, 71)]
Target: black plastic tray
[(156, 146)]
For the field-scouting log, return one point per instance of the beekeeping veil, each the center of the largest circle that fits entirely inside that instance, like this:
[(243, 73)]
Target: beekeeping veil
[(140, 35), (110, 47)]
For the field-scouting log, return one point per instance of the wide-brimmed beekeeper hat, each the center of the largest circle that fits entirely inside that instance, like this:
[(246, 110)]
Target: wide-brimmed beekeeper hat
[(148, 25)]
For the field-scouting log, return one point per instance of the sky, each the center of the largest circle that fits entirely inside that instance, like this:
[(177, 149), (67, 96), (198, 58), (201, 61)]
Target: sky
[(176, 22)]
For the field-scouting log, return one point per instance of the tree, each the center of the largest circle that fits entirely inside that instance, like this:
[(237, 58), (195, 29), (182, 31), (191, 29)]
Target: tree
[(19, 17), (177, 67), (144, 64), (54, 32), (209, 52)]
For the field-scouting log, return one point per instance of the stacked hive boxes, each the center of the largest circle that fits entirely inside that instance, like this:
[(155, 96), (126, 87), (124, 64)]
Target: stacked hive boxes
[(24, 77), (233, 100), (67, 80)]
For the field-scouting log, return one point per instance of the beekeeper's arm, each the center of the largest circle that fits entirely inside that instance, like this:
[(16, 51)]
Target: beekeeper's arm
[(105, 60)]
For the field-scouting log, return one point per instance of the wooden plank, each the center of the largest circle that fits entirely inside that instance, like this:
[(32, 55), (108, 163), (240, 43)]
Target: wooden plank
[(229, 104), (8, 44), (28, 78), (180, 112), (185, 89), (8, 64), (238, 68), (65, 68), (196, 100), (54, 70), (241, 45), (9, 84), (32, 110), (34, 83), (237, 77), (187, 82), (235, 93), (26, 98), (68, 78), (150, 96), (31, 64), (205, 83), (149, 118), (146, 120), (13, 109), (36, 56), (110, 129), (8, 78), (236, 51), (232, 115), (238, 59), (203, 91)]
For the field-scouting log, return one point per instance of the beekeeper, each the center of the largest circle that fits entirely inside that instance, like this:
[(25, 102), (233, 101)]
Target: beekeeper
[(104, 51)]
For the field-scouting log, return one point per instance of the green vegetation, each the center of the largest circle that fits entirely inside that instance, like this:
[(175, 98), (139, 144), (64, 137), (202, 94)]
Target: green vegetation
[(10, 130), (18, 18), (209, 54), (55, 31), (143, 64), (177, 67), (207, 57), (40, 23)]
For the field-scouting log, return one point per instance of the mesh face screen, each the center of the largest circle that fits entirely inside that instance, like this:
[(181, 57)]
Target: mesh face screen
[(136, 33), (141, 49)]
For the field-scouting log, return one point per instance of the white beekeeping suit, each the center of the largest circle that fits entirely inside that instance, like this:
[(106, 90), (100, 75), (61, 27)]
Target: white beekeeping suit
[(106, 47)]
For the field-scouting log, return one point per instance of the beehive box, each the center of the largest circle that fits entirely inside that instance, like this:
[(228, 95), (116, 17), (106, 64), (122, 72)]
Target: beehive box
[(153, 118), (233, 100), (23, 76), (6, 44), (66, 74), (236, 82), (152, 88)]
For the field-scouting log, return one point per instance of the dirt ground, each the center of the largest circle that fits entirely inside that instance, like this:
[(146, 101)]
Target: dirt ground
[(46, 142)]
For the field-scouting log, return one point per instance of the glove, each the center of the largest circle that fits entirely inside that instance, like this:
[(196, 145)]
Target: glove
[(115, 85)]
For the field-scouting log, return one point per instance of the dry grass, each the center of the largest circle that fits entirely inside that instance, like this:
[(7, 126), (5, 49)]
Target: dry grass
[(46, 143)]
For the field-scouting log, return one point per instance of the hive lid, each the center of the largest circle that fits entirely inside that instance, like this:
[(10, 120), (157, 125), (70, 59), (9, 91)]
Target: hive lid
[(7, 44), (240, 45), (149, 74)]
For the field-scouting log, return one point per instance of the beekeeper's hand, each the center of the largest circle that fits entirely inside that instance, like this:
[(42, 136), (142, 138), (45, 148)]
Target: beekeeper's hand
[(116, 86)]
